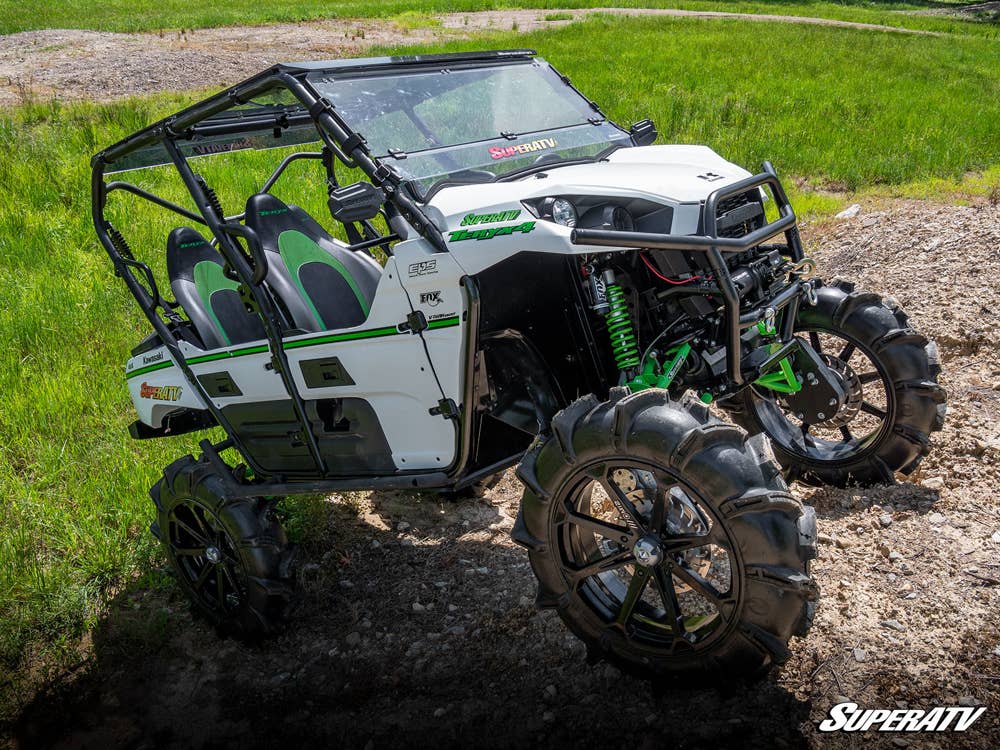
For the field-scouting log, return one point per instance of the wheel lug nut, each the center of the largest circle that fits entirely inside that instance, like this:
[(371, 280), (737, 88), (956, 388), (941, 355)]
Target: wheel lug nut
[(832, 402)]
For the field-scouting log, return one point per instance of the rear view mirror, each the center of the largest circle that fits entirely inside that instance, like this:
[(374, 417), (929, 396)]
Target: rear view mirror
[(643, 133), (358, 202)]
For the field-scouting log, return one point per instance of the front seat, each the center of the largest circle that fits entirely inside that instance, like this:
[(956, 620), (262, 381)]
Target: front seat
[(206, 294), (323, 285)]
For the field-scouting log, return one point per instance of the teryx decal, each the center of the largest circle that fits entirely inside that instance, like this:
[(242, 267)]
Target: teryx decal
[(160, 392), (490, 218), (489, 234), (502, 152)]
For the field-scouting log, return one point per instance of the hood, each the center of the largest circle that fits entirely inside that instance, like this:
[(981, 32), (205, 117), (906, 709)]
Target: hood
[(662, 174)]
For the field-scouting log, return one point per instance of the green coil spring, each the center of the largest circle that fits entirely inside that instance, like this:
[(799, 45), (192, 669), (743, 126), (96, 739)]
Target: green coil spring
[(620, 331)]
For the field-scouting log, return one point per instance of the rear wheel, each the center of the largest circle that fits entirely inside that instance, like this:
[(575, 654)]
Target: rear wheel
[(665, 540), (230, 556), (894, 403)]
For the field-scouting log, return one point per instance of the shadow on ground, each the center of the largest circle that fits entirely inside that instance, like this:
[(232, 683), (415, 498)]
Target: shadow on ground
[(419, 636)]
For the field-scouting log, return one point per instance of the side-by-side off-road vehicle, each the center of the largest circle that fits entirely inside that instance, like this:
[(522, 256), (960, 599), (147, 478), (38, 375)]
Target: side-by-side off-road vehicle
[(519, 281)]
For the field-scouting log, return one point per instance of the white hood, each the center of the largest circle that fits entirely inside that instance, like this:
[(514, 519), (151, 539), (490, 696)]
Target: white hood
[(663, 174)]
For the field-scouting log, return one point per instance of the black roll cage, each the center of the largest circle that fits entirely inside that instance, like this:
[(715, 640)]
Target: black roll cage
[(340, 143)]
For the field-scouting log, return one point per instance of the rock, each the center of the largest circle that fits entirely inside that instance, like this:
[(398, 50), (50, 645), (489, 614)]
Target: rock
[(375, 544), (345, 584), (900, 742), (353, 639), (996, 537), (483, 570), (891, 578), (439, 712), (418, 607), (894, 625), (845, 543), (996, 650), (850, 212), (548, 717), (841, 699), (402, 526), (826, 539), (860, 655), (933, 483), (452, 608), (455, 630), (936, 519), (406, 543), (895, 556), (441, 584), (968, 701), (884, 520), (550, 690)]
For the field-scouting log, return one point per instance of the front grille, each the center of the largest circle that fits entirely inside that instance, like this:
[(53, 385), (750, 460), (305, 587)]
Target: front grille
[(738, 215)]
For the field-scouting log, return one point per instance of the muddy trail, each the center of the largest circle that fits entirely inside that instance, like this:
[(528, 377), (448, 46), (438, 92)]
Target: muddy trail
[(415, 623), (79, 64)]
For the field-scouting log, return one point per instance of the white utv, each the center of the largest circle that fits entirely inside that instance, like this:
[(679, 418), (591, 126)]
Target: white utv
[(551, 291)]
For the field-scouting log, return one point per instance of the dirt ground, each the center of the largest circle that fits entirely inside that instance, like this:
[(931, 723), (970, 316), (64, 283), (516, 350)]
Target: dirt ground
[(415, 623), (76, 64)]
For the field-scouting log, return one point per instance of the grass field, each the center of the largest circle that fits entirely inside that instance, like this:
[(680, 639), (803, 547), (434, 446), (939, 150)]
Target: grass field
[(836, 106), (145, 15)]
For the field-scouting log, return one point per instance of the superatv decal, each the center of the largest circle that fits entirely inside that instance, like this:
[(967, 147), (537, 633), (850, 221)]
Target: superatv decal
[(542, 144), (489, 234), (490, 218), (160, 392)]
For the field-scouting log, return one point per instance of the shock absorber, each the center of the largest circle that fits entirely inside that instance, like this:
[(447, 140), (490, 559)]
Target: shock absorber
[(623, 342)]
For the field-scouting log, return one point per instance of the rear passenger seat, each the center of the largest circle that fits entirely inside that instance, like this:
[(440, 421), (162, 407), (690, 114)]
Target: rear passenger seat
[(206, 294)]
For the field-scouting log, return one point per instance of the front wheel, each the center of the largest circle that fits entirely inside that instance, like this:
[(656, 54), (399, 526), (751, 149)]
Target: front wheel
[(665, 540), (893, 404)]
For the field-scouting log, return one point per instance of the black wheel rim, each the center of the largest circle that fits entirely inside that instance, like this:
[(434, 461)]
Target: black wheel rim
[(858, 428), (205, 557), (681, 598)]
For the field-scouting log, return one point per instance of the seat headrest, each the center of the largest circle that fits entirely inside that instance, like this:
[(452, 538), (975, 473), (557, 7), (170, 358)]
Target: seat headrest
[(186, 248), (270, 216)]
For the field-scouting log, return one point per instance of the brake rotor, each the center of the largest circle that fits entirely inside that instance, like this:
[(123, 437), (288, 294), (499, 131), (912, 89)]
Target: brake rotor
[(852, 388)]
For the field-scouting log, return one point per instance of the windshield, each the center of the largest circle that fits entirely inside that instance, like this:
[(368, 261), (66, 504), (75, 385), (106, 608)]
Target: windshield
[(474, 124)]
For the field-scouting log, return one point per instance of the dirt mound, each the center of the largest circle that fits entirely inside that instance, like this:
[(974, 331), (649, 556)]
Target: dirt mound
[(416, 623)]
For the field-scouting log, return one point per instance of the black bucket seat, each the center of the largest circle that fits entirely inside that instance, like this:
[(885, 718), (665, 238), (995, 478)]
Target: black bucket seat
[(322, 285), (206, 294)]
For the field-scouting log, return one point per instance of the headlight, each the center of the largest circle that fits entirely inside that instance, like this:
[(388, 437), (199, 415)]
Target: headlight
[(562, 212)]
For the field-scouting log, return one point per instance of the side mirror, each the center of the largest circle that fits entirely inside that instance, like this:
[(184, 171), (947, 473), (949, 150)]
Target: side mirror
[(643, 133), (358, 202)]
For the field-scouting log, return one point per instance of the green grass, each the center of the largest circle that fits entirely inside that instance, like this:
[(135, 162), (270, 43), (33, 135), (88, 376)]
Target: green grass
[(147, 15), (843, 107)]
